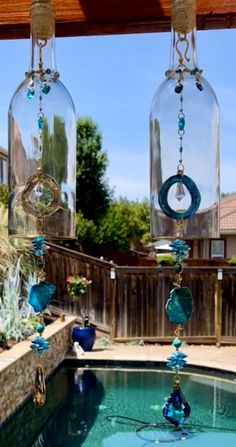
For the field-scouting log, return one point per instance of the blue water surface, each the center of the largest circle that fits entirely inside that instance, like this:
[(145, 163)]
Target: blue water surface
[(121, 407)]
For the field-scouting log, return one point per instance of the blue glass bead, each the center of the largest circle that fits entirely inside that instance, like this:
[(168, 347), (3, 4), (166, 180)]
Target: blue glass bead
[(178, 268), (181, 123), (39, 247), (48, 71), (39, 328), (179, 88), (179, 306), (39, 344), (40, 295), (199, 86), (177, 343), (177, 361), (194, 71), (176, 409), (40, 263), (30, 93), (193, 191), (40, 122), (46, 89), (180, 250), (37, 252), (38, 240)]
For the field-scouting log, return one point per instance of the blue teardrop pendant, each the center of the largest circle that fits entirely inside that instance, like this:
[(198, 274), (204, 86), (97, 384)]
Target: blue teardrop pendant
[(176, 409)]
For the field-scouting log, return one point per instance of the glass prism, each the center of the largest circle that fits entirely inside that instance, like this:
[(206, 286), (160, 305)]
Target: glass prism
[(179, 193), (176, 409), (39, 391)]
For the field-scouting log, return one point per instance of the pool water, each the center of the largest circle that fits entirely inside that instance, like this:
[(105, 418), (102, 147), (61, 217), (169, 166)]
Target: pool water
[(123, 408)]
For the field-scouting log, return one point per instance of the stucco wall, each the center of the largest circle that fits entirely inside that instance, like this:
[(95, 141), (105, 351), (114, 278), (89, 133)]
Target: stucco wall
[(230, 246), (17, 366)]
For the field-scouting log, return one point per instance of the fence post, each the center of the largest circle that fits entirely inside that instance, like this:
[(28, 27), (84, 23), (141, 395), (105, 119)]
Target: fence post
[(218, 306), (113, 301)]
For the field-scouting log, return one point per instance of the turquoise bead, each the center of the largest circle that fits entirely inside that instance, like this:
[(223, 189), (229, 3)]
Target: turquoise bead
[(181, 123), (40, 122), (179, 306), (46, 89), (177, 361), (39, 344), (39, 328), (40, 263), (48, 71), (177, 343), (30, 93), (178, 268)]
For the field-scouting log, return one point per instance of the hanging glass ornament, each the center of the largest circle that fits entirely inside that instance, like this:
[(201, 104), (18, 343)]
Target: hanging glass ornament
[(42, 141), (42, 159), (184, 126), (39, 296), (184, 140)]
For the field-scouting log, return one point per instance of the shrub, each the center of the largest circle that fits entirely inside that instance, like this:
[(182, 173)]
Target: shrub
[(165, 259)]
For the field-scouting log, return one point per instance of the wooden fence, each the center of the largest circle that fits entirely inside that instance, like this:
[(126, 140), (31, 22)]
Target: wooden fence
[(129, 302)]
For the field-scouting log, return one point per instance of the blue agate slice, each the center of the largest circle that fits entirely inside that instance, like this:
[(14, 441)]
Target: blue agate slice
[(176, 409), (40, 295), (179, 306)]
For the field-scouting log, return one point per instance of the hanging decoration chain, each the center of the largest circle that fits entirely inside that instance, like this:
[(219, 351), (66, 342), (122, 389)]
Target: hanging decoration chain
[(182, 68)]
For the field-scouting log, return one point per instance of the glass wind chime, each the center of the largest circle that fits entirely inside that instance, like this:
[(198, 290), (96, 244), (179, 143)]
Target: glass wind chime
[(184, 162), (42, 160)]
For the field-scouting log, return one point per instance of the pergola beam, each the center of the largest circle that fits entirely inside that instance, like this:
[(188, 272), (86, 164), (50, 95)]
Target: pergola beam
[(101, 17)]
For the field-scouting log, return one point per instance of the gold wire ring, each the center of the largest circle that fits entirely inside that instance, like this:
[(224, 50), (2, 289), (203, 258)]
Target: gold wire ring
[(48, 181)]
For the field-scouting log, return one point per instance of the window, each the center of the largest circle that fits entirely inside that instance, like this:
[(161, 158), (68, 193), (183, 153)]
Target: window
[(217, 248)]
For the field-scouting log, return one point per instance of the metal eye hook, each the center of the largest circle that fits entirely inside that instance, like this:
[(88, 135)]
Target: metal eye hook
[(182, 39)]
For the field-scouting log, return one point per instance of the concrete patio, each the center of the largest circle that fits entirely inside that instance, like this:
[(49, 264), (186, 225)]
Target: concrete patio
[(222, 358)]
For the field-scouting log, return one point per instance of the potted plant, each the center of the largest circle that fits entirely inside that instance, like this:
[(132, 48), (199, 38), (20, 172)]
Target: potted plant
[(76, 286)]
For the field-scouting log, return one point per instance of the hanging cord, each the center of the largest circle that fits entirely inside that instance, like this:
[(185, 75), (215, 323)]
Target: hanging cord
[(173, 435), (42, 19), (183, 15)]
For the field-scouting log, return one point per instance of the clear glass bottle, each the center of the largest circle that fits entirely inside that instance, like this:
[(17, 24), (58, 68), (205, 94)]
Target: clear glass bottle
[(198, 157), (42, 141)]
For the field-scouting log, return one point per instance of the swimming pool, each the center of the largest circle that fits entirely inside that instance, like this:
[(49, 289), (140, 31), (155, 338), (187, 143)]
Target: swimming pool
[(122, 407)]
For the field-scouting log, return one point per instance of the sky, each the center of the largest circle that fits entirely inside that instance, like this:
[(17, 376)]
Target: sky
[(112, 79)]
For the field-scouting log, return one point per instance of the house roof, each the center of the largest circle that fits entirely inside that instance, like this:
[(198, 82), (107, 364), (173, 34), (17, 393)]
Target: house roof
[(99, 17), (228, 214)]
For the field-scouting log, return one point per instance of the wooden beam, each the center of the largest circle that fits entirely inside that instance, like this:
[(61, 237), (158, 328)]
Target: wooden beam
[(100, 17)]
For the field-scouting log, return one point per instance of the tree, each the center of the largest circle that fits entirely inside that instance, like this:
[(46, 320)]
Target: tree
[(124, 223), (85, 229), (55, 150), (93, 194)]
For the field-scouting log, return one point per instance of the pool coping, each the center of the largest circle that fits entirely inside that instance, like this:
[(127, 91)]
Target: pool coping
[(222, 359), (72, 362)]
